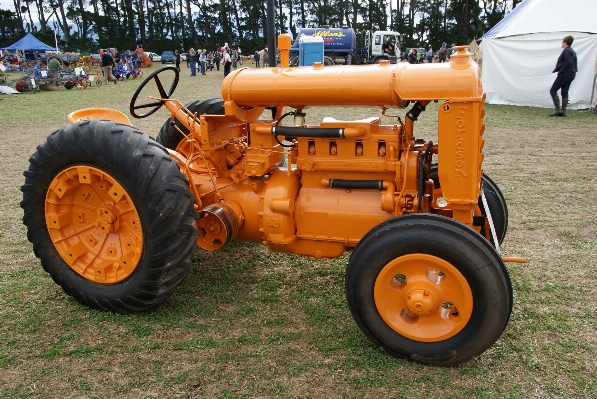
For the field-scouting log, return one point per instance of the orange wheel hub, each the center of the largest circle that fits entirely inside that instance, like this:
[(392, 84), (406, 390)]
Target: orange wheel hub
[(94, 224), (423, 297)]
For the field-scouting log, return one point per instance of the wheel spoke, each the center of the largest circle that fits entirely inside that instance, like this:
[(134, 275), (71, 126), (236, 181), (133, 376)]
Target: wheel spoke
[(158, 83), (148, 105)]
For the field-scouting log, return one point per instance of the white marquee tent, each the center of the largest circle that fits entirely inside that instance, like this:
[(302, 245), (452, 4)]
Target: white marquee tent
[(520, 52)]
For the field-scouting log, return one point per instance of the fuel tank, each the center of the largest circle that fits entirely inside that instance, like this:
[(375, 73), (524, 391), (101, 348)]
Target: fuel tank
[(382, 85)]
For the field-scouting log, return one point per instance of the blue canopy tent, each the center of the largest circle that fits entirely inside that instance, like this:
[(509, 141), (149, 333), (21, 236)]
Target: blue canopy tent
[(29, 43)]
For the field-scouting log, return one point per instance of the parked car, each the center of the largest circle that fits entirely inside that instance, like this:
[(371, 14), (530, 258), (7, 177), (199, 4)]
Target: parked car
[(183, 56), (153, 56), (167, 56)]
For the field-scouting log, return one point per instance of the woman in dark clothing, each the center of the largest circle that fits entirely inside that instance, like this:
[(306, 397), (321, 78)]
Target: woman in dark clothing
[(566, 68), (412, 56), (217, 59)]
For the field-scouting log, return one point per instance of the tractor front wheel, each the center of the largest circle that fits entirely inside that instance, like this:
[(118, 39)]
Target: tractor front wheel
[(428, 288), (109, 215)]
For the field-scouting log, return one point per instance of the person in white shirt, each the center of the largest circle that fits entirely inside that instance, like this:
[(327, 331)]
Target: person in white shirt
[(226, 61)]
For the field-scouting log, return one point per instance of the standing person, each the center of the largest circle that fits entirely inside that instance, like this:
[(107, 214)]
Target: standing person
[(226, 61), (256, 57), (210, 60), (193, 59), (234, 57), (240, 53), (566, 68), (177, 60), (202, 61), (107, 65), (265, 58), (441, 54), (430, 55), (217, 59), (412, 56), (419, 60)]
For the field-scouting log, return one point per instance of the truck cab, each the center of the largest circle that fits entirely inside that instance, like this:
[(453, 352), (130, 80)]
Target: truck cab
[(384, 45)]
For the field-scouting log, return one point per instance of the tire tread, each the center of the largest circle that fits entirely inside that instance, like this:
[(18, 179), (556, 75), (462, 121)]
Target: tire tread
[(159, 191)]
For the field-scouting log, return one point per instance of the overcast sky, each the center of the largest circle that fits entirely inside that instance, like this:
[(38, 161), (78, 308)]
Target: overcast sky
[(7, 5)]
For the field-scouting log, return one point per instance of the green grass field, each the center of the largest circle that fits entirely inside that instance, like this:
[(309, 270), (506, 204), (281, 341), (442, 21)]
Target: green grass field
[(248, 323)]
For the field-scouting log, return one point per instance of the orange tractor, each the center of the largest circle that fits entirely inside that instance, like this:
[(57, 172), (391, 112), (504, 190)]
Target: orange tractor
[(115, 216)]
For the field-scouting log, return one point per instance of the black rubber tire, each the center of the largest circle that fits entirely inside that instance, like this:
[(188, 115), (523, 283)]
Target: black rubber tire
[(453, 242), (497, 206), (328, 61), (495, 200), (294, 61), (157, 188), (170, 137)]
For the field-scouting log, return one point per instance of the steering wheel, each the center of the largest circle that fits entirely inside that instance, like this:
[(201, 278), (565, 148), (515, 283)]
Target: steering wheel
[(155, 105)]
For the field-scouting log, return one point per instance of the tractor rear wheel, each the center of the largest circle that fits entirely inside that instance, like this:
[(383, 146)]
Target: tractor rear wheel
[(495, 201), (170, 137), (109, 215), (497, 206), (428, 288)]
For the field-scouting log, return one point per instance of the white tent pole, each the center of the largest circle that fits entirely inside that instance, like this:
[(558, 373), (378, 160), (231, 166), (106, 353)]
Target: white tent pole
[(55, 39)]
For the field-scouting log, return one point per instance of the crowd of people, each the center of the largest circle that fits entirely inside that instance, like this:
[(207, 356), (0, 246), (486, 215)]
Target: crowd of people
[(229, 58), (416, 57)]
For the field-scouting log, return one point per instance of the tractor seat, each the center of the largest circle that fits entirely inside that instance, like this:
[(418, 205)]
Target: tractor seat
[(98, 113)]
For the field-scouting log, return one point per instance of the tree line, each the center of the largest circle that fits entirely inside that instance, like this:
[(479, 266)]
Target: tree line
[(86, 25)]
